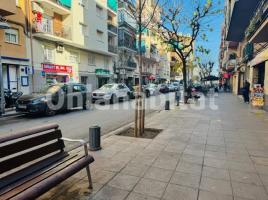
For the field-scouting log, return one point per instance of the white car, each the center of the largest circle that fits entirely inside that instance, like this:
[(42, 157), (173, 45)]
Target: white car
[(153, 89), (111, 93)]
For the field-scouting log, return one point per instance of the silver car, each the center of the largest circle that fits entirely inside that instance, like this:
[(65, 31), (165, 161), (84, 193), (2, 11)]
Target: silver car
[(111, 92)]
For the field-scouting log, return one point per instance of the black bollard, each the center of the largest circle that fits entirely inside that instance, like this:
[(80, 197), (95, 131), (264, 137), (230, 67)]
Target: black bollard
[(167, 105), (94, 138)]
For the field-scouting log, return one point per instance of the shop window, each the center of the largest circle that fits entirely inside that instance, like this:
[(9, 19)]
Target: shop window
[(12, 36), (84, 80), (74, 57), (48, 54)]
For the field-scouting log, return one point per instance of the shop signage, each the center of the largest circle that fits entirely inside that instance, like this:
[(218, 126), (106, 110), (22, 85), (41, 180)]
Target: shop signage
[(102, 72), (257, 96), (52, 68)]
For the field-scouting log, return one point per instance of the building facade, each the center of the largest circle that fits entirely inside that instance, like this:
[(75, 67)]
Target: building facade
[(127, 26), (15, 62), (68, 47), (244, 49)]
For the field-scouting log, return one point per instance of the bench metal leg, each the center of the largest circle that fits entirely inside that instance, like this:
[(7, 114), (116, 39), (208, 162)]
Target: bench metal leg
[(89, 178)]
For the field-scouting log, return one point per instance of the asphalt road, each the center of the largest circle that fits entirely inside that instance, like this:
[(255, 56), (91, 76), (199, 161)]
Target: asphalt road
[(75, 124)]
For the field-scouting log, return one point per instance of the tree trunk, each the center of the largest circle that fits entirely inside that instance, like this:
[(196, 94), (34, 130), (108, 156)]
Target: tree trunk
[(184, 73)]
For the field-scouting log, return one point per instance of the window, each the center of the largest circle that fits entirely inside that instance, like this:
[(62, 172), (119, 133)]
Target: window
[(84, 29), (100, 35), (83, 81), (47, 24), (48, 54), (12, 36), (99, 11), (74, 57), (91, 59)]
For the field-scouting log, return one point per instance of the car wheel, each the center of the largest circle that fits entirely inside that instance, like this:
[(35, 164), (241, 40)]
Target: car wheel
[(86, 105), (113, 99), (50, 112)]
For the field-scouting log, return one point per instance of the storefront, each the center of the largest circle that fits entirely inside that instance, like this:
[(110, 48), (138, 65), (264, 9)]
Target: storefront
[(103, 76), (16, 73), (57, 73)]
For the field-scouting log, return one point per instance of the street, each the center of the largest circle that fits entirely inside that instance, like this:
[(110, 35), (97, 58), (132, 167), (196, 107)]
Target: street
[(75, 124)]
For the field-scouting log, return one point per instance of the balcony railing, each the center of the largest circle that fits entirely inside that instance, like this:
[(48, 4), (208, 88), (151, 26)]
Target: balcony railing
[(112, 48), (127, 44), (112, 27), (248, 52), (260, 15), (131, 64), (64, 32)]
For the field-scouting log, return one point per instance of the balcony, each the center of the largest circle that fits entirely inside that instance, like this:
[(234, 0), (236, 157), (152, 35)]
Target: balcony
[(112, 48), (112, 28), (131, 64), (257, 30), (42, 30), (248, 52), (61, 7), (7, 7), (113, 5), (240, 17)]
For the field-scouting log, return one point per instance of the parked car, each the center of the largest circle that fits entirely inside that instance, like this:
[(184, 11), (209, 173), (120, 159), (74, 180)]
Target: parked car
[(55, 98), (111, 93), (173, 87), (163, 88), (151, 90)]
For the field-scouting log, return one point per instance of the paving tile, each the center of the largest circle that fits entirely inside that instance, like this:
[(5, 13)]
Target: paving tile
[(245, 177), (169, 164), (158, 174), (150, 187), (135, 169), (137, 196), (262, 169), (110, 193), (247, 167), (179, 192), (124, 182), (216, 186), (192, 159), (189, 168), (249, 191), (102, 176), (215, 173), (205, 195), (217, 163), (185, 179)]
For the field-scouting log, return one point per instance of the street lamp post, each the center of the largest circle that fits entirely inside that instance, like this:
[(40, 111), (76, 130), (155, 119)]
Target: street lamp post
[(3, 25)]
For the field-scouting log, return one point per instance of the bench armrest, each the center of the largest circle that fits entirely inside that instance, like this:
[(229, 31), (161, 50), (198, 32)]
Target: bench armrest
[(82, 143)]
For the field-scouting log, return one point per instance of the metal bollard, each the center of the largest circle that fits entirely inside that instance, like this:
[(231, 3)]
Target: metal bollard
[(167, 105), (94, 138)]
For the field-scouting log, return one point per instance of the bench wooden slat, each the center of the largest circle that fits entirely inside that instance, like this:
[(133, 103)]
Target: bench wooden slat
[(28, 132), (45, 185), (11, 181), (29, 143), (19, 160), (39, 177)]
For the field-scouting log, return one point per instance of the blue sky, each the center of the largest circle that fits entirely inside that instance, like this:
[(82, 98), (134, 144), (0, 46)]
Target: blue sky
[(215, 21)]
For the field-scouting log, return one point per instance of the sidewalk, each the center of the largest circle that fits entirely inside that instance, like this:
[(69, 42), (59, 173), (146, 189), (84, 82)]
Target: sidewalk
[(201, 154)]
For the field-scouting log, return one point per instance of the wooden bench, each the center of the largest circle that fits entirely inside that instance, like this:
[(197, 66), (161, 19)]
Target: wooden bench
[(34, 161)]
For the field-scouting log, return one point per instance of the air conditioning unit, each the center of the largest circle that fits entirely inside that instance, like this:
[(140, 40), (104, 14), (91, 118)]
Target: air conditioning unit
[(60, 48)]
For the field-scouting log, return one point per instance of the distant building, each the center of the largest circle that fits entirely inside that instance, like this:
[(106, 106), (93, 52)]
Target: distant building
[(15, 62)]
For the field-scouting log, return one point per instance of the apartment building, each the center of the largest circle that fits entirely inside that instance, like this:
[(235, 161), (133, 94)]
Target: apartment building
[(73, 41), (15, 62), (127, 26), (245, 41)]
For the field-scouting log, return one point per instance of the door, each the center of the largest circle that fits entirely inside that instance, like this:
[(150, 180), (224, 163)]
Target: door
[(12, 73)]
